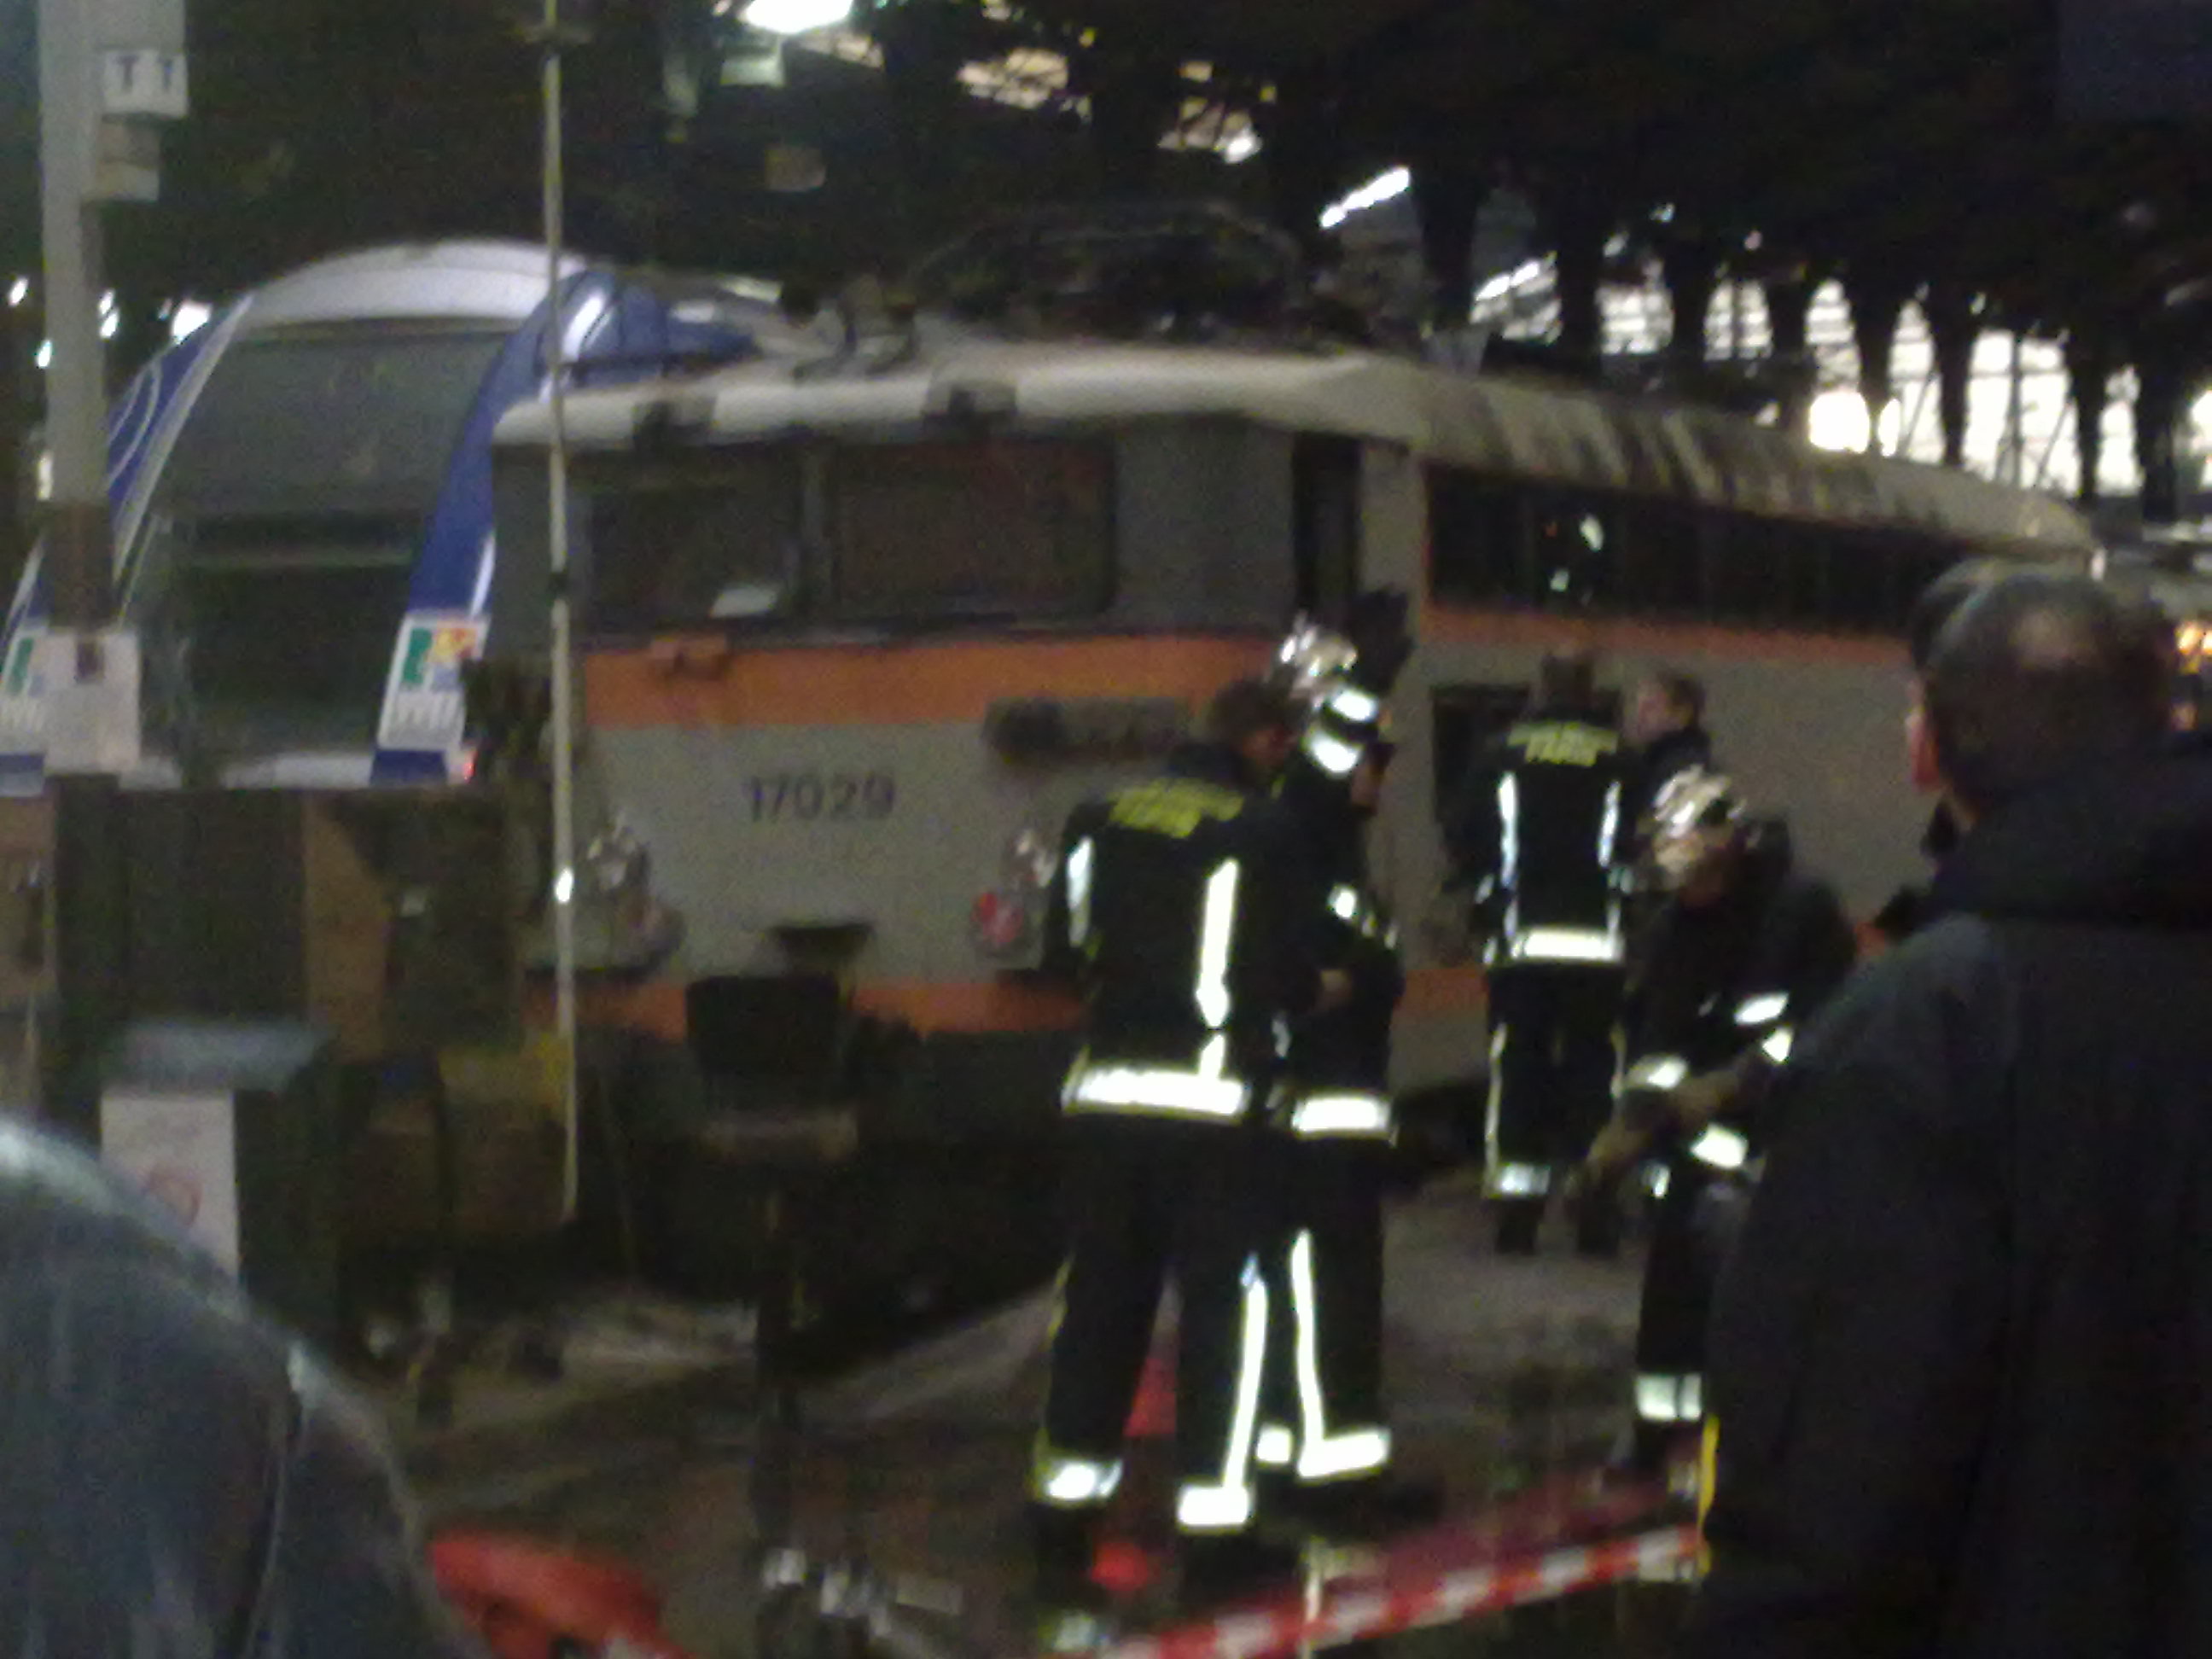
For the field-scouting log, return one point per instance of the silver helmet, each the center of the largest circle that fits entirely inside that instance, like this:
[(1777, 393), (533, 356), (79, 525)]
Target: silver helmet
[(1697, 813)]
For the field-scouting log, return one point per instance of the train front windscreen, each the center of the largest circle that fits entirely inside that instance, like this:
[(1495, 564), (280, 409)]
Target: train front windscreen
[(273, 572)]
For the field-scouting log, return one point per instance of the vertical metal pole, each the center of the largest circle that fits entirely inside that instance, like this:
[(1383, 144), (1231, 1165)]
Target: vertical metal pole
[(562, 646), (2015, 454), (76, 400), (89, 880)]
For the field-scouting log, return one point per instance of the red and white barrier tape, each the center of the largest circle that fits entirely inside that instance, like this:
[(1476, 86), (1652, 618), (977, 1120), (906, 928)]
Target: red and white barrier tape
[(1363, 1612)]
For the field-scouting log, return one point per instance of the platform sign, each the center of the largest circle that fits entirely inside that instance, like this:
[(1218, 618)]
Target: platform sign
[(2136, 60), (90, 682), (145, 82), (425, 711), (182, 1149)]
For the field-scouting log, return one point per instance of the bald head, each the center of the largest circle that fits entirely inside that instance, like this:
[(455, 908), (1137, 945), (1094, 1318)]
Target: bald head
[(2039, 674), (1943, 598)]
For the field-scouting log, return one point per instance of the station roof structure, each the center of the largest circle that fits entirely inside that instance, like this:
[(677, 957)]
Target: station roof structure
[(1899, 140)]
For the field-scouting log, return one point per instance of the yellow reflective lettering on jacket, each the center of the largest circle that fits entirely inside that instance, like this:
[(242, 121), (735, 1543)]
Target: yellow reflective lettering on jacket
[(1709, 1455), (1175, 807), (1563, 742)]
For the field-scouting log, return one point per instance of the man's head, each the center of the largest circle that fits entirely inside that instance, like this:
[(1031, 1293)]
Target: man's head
[(1567, 679), (1258, 720), (1666, 701), (2038, 675), (1942, 599)]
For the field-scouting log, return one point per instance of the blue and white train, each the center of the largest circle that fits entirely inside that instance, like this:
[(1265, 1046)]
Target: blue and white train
[(302, 500)]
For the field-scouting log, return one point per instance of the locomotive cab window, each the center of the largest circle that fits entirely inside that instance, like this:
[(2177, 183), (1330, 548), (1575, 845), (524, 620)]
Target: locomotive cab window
[(1012, 526), (1325, 490), (1476, 538), (693, 540), (1576, 545)]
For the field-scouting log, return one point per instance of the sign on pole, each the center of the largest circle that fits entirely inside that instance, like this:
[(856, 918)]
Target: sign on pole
[(140, 46), (143, 81)]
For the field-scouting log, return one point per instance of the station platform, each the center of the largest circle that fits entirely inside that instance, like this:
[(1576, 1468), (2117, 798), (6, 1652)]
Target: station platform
[(1510, 1379)]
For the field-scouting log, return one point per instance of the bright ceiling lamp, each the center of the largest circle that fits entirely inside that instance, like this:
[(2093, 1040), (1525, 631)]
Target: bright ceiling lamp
[(797, 16), (1383, 187), (1839, 420)]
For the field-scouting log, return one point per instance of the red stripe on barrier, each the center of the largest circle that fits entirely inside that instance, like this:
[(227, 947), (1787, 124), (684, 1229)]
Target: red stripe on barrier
[(1366, 1613), (1546, 1544)]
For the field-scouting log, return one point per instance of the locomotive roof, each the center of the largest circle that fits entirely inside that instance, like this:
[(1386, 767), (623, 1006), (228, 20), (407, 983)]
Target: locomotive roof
[(1488, 423)]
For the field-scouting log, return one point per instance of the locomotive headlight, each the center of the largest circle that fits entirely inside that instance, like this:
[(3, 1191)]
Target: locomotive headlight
[(1005, 919), (1032, 859)]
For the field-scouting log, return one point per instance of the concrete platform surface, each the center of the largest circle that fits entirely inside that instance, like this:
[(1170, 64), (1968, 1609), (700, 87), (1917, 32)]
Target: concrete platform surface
[(1502, 1373)]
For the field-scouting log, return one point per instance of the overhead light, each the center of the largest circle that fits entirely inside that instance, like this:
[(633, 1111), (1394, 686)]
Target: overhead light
[(1240, 147), (797, 16), (1839, 420), (1382, 187), (19, 290), (189, 318)]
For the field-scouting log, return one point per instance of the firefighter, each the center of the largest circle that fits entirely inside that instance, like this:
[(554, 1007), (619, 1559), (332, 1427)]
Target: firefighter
[(1182, 907), (1744, 951), (1326, 1430), (1666, 725), (1540, 833)]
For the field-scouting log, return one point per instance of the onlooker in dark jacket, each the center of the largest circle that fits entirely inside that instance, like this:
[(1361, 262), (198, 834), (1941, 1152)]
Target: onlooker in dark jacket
[(1961, 1360), (1939, 601), (181, 1476)]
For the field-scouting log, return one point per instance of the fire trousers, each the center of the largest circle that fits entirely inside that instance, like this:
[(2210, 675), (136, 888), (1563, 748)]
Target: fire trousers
[(1324, 1418), (1554, 1057), (1154, 1200)]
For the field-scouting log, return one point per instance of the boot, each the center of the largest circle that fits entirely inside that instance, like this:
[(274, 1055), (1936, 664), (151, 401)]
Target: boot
[(1518, 1220)]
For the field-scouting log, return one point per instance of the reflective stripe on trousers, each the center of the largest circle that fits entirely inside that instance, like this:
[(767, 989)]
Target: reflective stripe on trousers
[(1605, 947), (1501, 1178), (1062, 1479), (1324, 1454), (1517, 1181), (1068, 1482), (1201, 1092), (1494, 1109), (1225, 1504), (1354, 1113)]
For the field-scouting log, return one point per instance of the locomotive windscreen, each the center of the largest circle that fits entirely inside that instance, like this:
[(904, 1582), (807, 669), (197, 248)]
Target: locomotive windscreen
[(1018, 527), (912, 533), (691, 540), (283, 533)]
